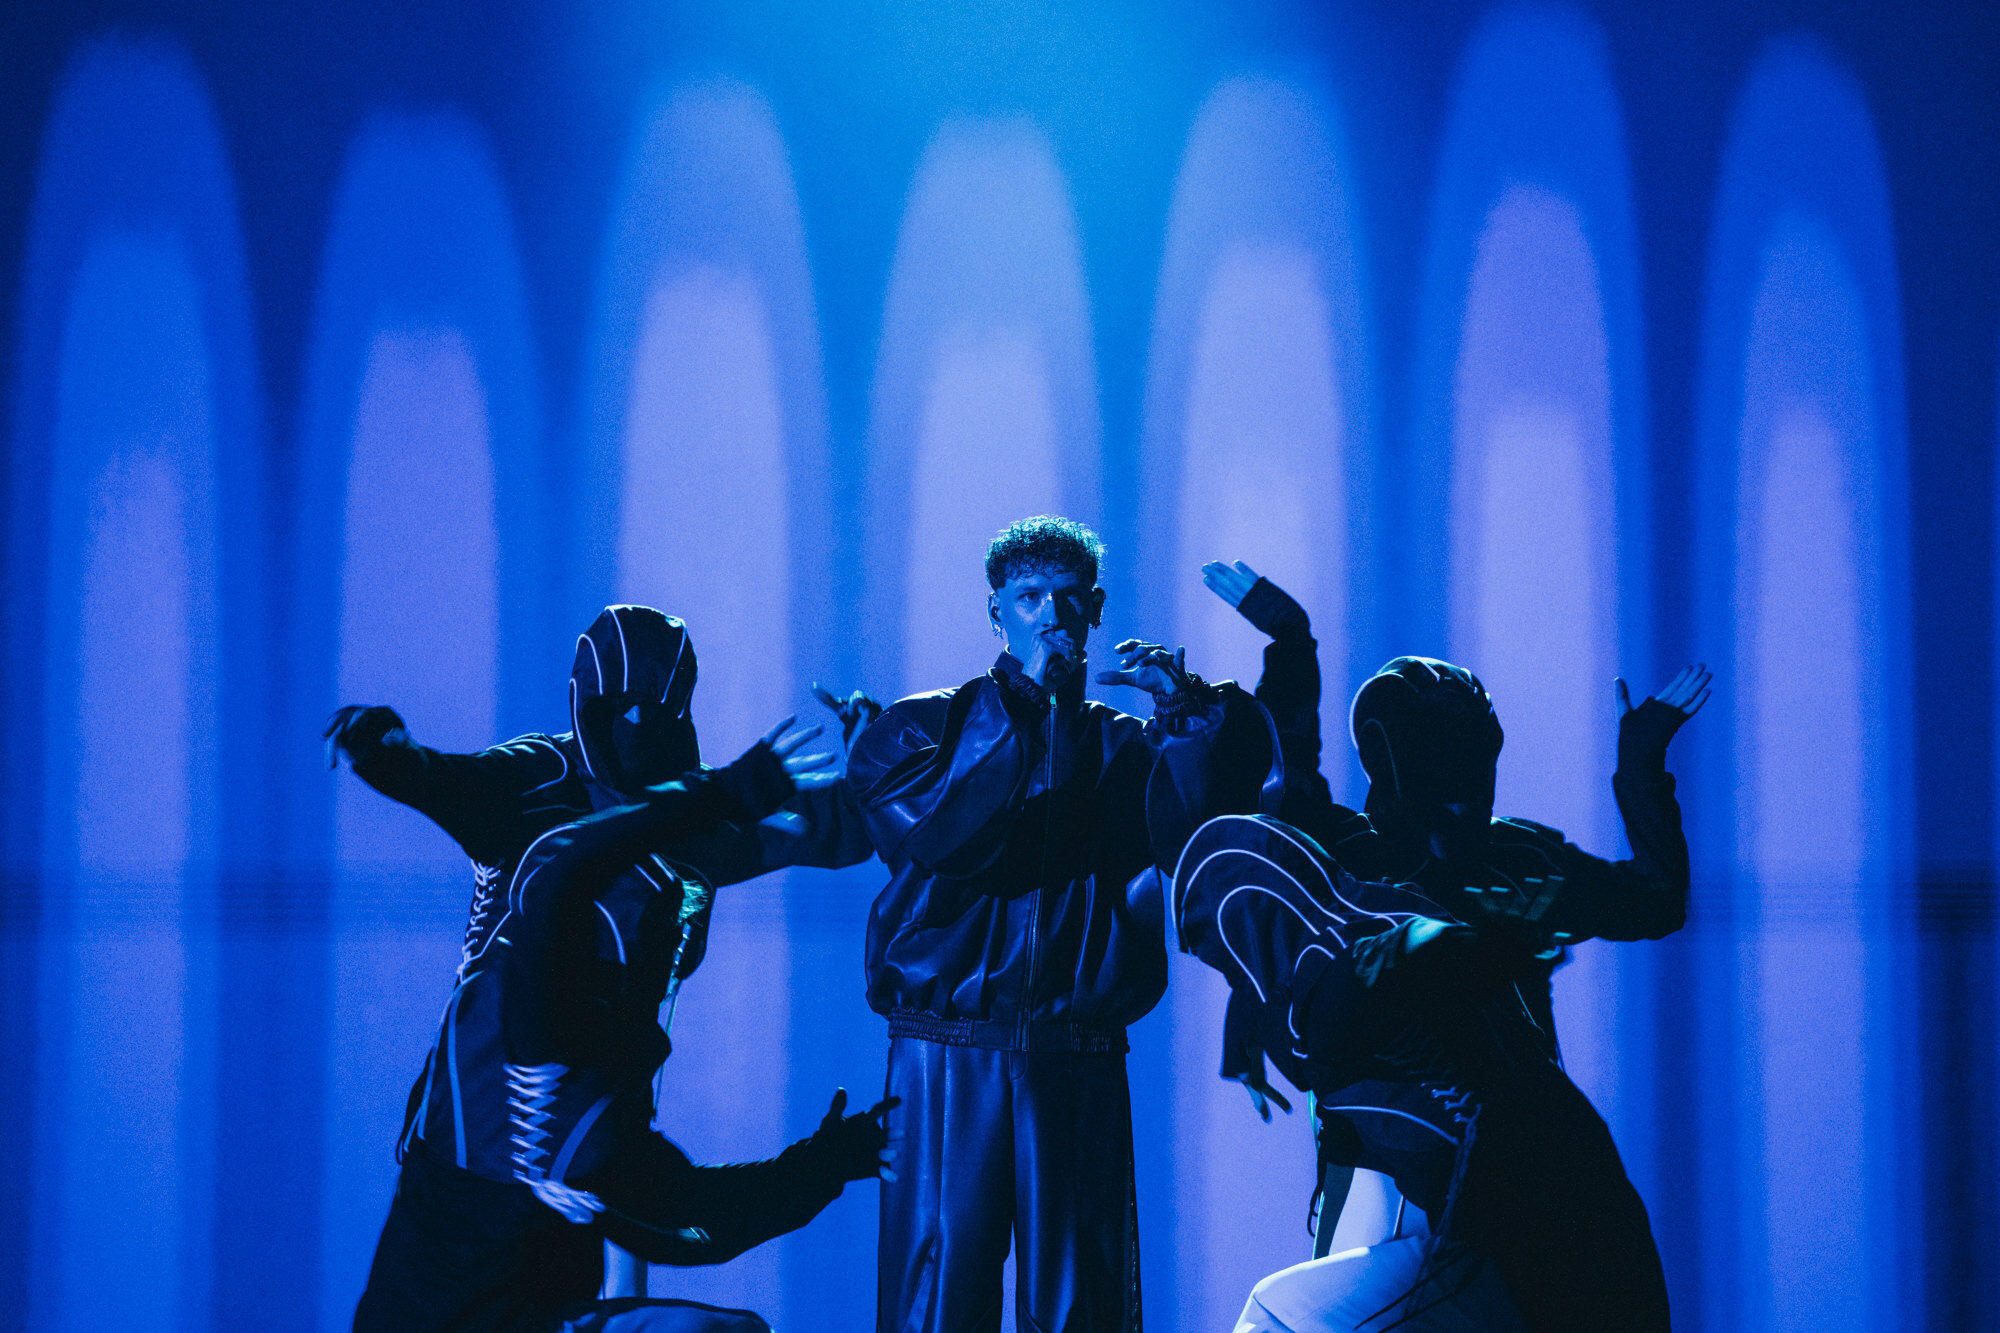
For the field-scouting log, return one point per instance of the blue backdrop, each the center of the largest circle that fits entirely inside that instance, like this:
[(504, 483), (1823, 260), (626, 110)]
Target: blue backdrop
[(361, 354)]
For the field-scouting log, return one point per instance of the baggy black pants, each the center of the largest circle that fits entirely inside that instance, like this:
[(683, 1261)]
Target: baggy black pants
[(1547, 1198), (463, 1254), (460, 1252), (992, 1144)]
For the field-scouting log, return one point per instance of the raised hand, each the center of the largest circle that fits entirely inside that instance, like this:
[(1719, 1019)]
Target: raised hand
[(1148, 666), (806, 771), (855, 710), (1231, 582), (359, 727), (1644, 732), (857, 1146)]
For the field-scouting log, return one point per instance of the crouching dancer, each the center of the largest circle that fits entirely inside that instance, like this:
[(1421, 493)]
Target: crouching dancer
[(550, 1045), (1405, 1018)]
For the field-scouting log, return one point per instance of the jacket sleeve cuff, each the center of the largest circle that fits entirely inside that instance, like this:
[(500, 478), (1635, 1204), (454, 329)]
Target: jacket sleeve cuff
[(1194, 697), (1272, 610), (757, 783), (1020, 687)]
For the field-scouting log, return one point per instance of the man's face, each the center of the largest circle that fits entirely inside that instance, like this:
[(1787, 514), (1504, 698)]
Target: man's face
[(1055, 606)]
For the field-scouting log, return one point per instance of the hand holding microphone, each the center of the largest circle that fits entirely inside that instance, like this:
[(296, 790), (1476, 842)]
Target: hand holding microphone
[(1052, 659)]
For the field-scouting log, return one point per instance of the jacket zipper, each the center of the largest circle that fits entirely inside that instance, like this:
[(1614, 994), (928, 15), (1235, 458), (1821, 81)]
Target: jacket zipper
[(1041, 870)]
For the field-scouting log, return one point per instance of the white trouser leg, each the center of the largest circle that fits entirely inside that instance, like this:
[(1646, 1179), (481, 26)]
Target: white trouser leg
[(1378, 1249)]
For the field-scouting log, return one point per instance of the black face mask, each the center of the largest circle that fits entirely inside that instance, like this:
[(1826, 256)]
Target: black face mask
[(635, 742), (1430, 742), (629, 695)]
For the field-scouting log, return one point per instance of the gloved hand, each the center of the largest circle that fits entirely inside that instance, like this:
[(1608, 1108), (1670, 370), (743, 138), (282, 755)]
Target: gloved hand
[(1258, 1084), (855, 1146), (1503, 936), (1516, 926), (855, 710), (1644, 732), (1243, 1059), (767, 774), (359, 727)]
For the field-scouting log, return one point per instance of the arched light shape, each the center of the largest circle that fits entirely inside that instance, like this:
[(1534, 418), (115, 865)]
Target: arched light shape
[(1803, 801), (1255, 448), (710, 486), (420, 515), (135, 477), (1530, 474), (985, 399)]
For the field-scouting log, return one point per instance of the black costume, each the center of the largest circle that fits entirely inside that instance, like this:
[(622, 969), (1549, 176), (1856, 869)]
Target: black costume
[(533, 1111), (1441, 992), (1415, 1035), (1020, 932)]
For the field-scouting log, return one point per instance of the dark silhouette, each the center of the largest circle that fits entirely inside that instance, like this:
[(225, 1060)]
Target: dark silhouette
[(528, 1139), (1020, 932), (1397, 964)]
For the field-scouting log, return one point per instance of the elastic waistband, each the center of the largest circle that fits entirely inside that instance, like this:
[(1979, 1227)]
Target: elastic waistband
[(1037, 1035)]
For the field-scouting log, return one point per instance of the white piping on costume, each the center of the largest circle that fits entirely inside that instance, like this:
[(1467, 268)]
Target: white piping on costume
[(1244, 851), (686, 874), (560, 1166), (415, 1129), (1280, 832), (1181, 860), (674, 672), (1390, 1110), (1388, 752), (576, 729), (1395, 917), (1291, 1008), (596, 661), (624, 653), (1333, 886), (517, 891), (1222, 931), (491, 940), (451, 1067), (1321, 948), (537, 740), (616, 938)]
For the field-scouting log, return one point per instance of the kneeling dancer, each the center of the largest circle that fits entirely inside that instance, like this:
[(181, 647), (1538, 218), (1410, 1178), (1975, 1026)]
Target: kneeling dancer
[(543, 1076), (1406, 1019)]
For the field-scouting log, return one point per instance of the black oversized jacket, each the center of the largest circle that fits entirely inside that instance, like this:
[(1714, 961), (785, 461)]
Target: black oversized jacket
[(1024, 836), (1427, 1065)]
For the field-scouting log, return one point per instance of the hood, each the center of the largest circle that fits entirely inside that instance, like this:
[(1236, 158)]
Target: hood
[(1430, 742), (629, 693)]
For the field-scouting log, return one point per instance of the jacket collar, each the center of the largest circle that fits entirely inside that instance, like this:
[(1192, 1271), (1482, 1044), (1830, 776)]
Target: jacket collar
[(1007, 670)]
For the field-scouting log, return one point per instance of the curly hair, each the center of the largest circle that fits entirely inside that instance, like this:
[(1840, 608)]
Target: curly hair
[(1044, 542)]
